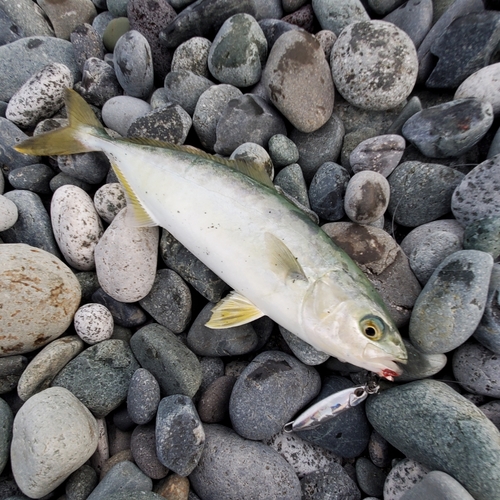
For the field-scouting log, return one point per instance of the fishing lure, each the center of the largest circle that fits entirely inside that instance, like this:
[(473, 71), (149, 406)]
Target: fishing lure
[(331, 406)]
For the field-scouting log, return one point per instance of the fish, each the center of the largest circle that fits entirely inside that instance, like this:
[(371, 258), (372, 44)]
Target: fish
[(228, 213)]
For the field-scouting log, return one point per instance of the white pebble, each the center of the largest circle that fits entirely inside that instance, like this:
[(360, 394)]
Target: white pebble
[(109, 200), (8, 213), (93, 323)]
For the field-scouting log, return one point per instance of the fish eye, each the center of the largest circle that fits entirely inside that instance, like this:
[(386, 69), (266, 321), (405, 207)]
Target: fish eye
[(372, 327)]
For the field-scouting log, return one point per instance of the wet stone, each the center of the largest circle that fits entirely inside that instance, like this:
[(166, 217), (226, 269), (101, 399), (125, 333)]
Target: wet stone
[(449, 129), (466, 46), (335, 16), (185, 88), (377, 84), (330, 482), (291, 180), (34, 178), (402, 477), (414, 181), (143, 447), (127, 315), (213, 406), (192, 55)]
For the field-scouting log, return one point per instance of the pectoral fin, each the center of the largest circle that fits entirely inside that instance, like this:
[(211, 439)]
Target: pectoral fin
[(283, 260), (233, 310)]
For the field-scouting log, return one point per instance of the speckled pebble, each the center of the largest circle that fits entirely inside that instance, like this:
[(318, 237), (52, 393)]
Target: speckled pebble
[(143, 397), (41, 96), (8, 213), (282, 150), (379, 450), (87, 43), (109, 200), (119, 112), (185, 88), (370, 478), (335, 16), (192, 55), (484, 235), (34, 178), (291, 180), (402, 477), (127, 276), (76, 225), (81, 483), (374, 65), (143, 447), (93, 323)]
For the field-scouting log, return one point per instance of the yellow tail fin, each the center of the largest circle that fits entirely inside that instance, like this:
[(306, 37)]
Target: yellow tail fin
[(67, 140)]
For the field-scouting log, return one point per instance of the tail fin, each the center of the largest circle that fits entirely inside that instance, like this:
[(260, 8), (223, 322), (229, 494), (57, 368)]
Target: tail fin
[(67, 140)]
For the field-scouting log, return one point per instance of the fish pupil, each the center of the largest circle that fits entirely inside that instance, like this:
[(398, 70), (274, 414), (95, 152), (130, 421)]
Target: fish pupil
[(370, 331)]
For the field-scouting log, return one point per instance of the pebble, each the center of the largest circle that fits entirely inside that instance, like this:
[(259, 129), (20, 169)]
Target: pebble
[(436, 437), (302, 350), (87, 43), (291, 180), (484, 235), (8, 213), (282, 151), (127, 276), (93, 323), (190, 268), (412, 107), (114, 29), (380, 154), (335, 16), (100, 376), (121, 111), (376, 85), (175, 367), (76, 225), (211, 368), (34, 178), (298, 81), (63, 179), (247, 119), (256, 410), (143, 447), (169, 124), (421, 365), (133, 64), (233, 341), (28, 17), (439, 486), (223, 449), (320, 146), (47, 307), (192, 55), (11, 160), (213, 406), (474, 198), (52, 420), (379, 450), (11, 369), (413, 181), (484, 85), (403, 477), (253, 153), (180, 437), (346, 435), (185, 88), (366, 197), (238, 51), (109, 200), (126, 315), (143, 397), (81, 483), (492, 411), (44, 367), (208, 111), (452, 303), (449, 129), (6, 421), (370, 478), (91, 168)]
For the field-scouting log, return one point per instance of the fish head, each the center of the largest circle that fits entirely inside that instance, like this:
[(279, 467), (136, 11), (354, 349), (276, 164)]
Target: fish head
[(353, 327)]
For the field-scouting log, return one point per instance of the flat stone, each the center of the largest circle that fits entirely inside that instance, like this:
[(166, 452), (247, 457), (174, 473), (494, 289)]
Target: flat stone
[(436, 437), (298, 81), (377, 84), (47, 309), (53, 435), (335, 16)]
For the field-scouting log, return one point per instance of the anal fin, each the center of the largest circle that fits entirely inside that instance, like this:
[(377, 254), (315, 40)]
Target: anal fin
[(233, 310)]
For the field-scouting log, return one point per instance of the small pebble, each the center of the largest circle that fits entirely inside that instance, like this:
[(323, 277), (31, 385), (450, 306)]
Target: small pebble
[(402, 477), (143, 447), (291, 180), (93, 323), (143, 397), (335, 16), (484, 235), (115, 28), (282, 150), (109, 200), (8, 213), (370, 478), (34, 178), (87, 43), (192, 55), (213, 406), (81, 483), (126, 315), (185, 88), (379, 450), (302, 350), (120, 112), (439, 486)]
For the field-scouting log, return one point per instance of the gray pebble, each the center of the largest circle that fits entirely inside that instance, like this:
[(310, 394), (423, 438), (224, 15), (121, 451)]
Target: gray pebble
[(208, 111), (484, 235), (370, 477), (213, 406), (291, 180), (238, 52), (420, 365), (374, 65), (335, 16), (6, 421), (180, 437), (379, 450), (282, 151), (412, 107), (259, 405), (134, 65), (474, 198), (29, 17), (351, 141), (100, 376), (87, 43), (91, 168), (10, 135), (232, 341), (412, 182), (302, 350), (143, 448), (320, 146), (217, 477), (212, 368), (159, 98), (169, 301), (256, 154), (117, 7), (11, 369), (274, 28), (124, 314), (119, 112), (438, 486), (101, 21), (326, 39), (143, 397), (452, 303), (402, 477), (175, 367), (134, 495), (185, 88), (63, 179), (492, 411), (8, 213), (34, 178), (247, 119), (192, 55), (81, 483)]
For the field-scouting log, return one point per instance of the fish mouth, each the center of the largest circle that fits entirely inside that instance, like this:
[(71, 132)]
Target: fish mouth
[(384, 364)]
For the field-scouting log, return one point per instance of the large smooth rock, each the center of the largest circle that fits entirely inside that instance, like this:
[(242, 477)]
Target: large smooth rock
[(53, 435), (39, 296)]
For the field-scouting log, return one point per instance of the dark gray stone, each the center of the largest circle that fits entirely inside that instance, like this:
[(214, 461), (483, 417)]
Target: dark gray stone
[(291, 180), (86, 43), (484, 235), (124, 314), (178, 258), (88, 167), (9, 31), (438, 486), (335, 16), (449, 129), (282, 151), (134, 495), (100, 376), (81, 483), (272, 388), (449, 309), (185, 88), (143, 397), (217, 476), (6, 422), (11, 369), (211, 368), (34, 178), (320, 146), (143, 448), (347, 434), (247, 119), (492, 411), (421, 192), (447, 432), (274, 28), (213, 406), (169, 301), (466, 46), (10, 159), (175, 367), (420, 365), (379, 450), (412, 107), (33, 225), (302, 350), (232, 341), (180, 437), (63, 179), (370, 477)]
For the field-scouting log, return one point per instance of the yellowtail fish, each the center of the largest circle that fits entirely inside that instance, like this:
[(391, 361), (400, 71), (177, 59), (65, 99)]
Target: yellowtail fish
[(228, 214)]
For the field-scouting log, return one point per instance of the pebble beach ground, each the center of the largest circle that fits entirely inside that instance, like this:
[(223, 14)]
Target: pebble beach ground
[(378, 118)]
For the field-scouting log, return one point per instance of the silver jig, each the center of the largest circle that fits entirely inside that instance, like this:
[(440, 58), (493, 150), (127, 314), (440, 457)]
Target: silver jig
[(331, 406)]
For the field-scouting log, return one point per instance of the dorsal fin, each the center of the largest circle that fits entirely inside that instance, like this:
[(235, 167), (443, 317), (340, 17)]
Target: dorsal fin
[(248, 168)]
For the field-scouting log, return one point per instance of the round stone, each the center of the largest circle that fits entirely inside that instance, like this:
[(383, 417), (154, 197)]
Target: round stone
[(291, 180), (40, 295), (282, 150), (402, 477), (109, 200), (374, 65), (34, 178), (484, 235), (8, 213), (213, 406), (93, 323), (335, 16), (185, 87), (192, 55), (143, 447), (119, 112), (143, 397)]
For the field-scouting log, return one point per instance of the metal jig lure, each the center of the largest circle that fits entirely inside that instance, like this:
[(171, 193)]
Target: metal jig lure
[(331, 406)]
